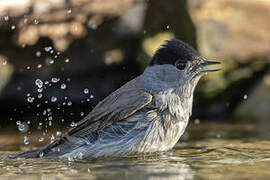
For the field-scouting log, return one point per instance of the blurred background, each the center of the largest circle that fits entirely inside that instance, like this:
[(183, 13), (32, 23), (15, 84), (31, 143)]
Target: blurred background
[(59, 58)]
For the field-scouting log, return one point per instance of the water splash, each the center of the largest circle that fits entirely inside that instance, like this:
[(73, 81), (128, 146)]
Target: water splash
[(39, 83), (26, 140), (6, 18), (55, 80), (53, 99), (63, 86), (69, 11), (86, 91)]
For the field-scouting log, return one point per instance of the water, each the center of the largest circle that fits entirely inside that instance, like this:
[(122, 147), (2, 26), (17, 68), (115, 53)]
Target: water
[(238, 152)]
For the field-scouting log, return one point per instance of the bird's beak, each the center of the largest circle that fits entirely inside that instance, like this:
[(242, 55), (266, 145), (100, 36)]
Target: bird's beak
[(208, 63)]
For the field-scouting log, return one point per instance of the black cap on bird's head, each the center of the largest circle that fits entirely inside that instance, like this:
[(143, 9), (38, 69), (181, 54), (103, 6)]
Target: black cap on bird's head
[(178, 52)]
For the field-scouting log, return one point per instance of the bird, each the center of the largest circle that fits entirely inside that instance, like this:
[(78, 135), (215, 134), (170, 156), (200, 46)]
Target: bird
[(148, 114)]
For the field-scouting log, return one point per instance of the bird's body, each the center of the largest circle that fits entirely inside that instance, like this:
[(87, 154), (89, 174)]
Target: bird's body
[(148, 114), (156, 127)]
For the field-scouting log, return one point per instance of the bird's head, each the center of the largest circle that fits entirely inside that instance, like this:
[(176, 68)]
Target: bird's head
[(178, 64)]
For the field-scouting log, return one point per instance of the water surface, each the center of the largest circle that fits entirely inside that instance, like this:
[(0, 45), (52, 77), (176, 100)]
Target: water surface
[(205, 152)]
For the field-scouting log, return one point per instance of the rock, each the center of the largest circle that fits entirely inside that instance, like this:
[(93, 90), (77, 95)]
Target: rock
[(232, 29), (255, 105), (64, 21)]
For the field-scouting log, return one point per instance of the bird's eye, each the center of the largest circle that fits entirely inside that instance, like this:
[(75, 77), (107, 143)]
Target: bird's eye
[(180, 65)]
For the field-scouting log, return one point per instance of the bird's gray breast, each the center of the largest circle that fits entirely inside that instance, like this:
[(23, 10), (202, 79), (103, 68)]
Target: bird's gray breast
[(177, 106), (171, 118)]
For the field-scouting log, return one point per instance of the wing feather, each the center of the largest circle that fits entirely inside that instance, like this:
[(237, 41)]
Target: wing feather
[(116, 107)]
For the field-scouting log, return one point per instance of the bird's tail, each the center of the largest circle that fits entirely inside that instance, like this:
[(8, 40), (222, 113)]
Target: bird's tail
[(27, 154), (53, 150)]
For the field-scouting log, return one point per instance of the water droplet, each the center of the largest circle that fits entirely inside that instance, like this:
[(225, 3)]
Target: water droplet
[(21, 127), (39, 90), (50, 61), (70, 159), (28, 67), (80, 155), (36, 21), (38, 53), (19, 88), (108, 60), (50, 118), (245, 97), (39, 66), (50, 123), (69, 103), (39, 83), (47, 49), (30, 99), (6, 18), (46, 82), (86, 91), (168, 26), (25, 20), (52, 138), (41, 139), (26, 140), (91, 96), (55, 80), (92, 24), (67, 60), (58, 133), (53, 99), (40, 96), (63, 86), (13, 27), (197, 121), (82, 113), (28, 122), (41, 154), (68, 11), (73, 124)]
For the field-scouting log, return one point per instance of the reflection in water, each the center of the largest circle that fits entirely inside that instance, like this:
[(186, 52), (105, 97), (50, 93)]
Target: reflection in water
[(160, 167), (235, 154)]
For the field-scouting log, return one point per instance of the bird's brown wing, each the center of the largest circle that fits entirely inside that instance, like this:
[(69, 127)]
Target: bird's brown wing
[(116, 107)]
